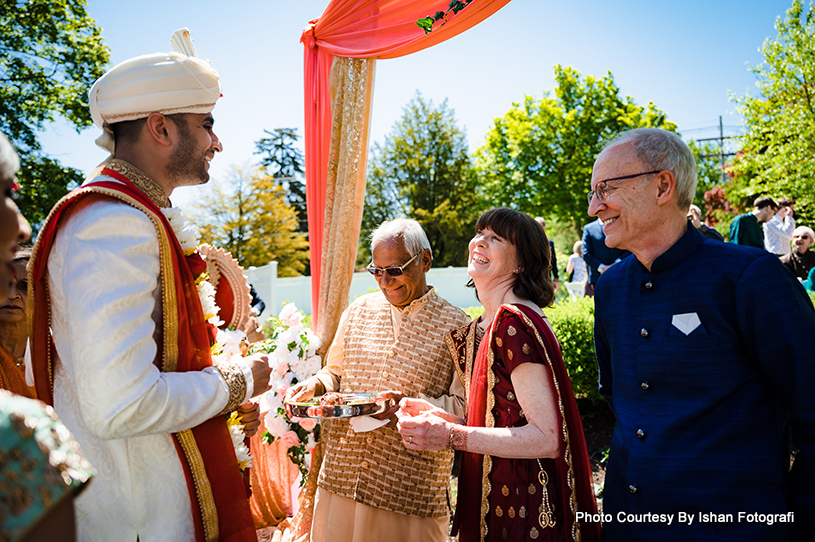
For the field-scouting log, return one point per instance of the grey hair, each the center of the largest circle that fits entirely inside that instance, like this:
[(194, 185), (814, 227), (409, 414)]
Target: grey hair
[(804, 229), (9, 161), (407, 230), (661, 149)]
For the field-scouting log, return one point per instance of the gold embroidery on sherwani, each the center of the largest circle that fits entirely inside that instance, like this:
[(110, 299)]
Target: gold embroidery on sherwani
[(375, 468), (144, 183), (203, 488), (236, 382)]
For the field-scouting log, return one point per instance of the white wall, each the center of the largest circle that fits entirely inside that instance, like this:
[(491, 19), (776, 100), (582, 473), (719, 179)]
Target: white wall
[(450, 283)]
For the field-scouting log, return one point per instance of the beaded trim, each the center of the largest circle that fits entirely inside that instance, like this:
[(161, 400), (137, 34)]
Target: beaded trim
[(236, 381)]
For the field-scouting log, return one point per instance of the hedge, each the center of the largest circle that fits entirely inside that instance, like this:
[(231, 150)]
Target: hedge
[(573, 322)]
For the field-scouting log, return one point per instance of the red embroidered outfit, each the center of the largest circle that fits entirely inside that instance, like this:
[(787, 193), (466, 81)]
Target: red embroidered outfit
[(502, 498)]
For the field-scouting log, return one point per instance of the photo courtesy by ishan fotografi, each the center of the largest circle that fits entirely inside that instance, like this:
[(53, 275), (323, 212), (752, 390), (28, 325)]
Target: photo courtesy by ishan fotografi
[(686, 518)]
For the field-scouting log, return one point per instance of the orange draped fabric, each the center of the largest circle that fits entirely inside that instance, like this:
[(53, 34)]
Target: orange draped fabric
[(12, 377), (360, 29)]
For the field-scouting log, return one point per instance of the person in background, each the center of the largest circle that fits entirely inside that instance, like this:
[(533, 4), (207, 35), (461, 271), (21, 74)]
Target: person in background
[(576, 266), (801, 260), (709, 378), (257, 304), (553, 268), (14, 229), (597, 255), (14, 329), (695, 215), (746, 229), (779, 229), (42, 470), (371, 488)]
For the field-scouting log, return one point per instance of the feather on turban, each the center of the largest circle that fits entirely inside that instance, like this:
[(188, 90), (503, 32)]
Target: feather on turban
[(168, 83)]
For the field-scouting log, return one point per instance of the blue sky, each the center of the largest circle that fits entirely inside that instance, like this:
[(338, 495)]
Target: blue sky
[(684, 57)]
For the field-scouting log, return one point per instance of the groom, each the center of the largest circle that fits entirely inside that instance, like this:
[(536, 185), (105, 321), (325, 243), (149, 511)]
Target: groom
[(120, 342)]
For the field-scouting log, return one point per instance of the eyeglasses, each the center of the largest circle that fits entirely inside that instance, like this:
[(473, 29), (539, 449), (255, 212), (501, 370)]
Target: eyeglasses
[(394, 271), (603, 191)]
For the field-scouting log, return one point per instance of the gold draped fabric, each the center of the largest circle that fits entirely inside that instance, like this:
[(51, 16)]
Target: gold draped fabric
[(352, 82)]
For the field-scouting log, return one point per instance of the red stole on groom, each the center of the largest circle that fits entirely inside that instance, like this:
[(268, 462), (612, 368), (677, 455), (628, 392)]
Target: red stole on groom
[(220, 506)]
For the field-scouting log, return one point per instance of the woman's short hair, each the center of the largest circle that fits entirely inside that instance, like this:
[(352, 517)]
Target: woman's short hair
[(532, 247), (408, 230), (804, 229)]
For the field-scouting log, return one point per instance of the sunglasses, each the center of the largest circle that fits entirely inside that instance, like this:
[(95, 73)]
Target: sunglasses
[(394, 271)]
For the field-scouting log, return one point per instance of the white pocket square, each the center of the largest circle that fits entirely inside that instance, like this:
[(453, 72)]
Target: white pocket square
[(687, 322)]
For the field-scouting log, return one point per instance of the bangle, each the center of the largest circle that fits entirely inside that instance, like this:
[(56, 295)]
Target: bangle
[(458, 439)]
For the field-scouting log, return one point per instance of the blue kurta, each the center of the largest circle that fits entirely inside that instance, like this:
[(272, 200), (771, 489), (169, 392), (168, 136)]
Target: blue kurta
[(701, 417)]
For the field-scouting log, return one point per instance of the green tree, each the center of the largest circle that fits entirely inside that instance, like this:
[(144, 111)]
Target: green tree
[(51, 52), (708, 168), (284, 162), (779, 146), (538, 157), (424, 171), (250, 218)]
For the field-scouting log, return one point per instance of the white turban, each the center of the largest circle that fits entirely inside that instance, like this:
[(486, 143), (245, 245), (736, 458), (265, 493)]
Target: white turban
[(168, 83)]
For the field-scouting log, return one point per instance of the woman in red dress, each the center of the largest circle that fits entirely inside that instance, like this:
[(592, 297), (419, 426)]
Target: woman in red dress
[(525, 473)]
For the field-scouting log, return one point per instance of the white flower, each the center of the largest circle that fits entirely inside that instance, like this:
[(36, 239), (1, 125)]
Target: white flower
[(187, 237), (206, 292), (232, 342), (276, 425), (238, 436)]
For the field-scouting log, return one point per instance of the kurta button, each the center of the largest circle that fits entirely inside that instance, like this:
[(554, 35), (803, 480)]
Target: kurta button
[(645, 385), (649, 285), (385, 374), (632, 488), (369, 440), (644, 332), (640, 434), (364, 465)]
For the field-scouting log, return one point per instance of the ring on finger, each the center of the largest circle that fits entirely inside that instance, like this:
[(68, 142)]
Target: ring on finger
[(410, 440)]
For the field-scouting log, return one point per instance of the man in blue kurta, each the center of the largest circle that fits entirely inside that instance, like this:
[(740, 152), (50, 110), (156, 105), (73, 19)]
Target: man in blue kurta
[(705, 359)]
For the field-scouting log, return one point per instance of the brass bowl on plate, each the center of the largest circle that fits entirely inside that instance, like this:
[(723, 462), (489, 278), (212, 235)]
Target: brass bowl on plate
[(353, 404)]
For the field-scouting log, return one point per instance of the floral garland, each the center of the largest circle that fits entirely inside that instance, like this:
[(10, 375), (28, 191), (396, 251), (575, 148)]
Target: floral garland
[(226, 344), (291, 348)]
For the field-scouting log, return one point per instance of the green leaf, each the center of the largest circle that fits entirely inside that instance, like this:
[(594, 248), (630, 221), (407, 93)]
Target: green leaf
[(426, 24)]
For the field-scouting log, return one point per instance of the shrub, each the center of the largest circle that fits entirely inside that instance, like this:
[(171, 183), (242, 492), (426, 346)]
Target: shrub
[(573, 322)]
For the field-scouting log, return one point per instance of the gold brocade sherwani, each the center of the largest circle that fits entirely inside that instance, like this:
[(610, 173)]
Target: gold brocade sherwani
[(375, 468)]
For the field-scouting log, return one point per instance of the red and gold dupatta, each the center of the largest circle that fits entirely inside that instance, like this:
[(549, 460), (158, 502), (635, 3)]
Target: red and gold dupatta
[(573, 463), (216, 488)]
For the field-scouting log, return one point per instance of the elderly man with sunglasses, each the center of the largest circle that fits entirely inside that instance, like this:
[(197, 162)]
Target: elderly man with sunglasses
[(371, 487), (704, 360)]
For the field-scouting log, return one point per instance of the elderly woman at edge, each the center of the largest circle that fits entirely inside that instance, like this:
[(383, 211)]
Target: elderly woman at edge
[(525, 472), (14, 329)]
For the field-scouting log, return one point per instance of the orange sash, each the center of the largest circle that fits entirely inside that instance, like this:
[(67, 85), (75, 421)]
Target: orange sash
[(220, 505)]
